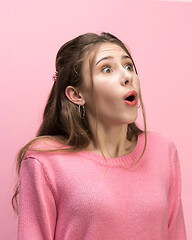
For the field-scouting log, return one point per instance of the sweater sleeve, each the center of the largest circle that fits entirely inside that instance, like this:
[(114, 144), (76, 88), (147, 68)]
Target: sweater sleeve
[(176, 224), (37, 208)]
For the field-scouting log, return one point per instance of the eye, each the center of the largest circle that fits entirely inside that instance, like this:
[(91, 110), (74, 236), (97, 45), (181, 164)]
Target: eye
[(106, 69), (129, 67)]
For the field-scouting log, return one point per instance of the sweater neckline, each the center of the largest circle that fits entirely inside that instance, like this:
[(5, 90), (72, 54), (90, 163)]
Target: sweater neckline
[(123, 161)]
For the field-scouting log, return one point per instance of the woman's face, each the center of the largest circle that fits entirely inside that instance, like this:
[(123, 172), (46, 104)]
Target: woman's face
[(113, 78)]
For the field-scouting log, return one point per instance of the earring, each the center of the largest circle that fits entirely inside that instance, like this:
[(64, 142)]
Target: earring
[(82, 113)]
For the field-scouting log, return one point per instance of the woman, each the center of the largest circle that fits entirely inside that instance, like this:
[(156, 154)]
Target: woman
[(88, 124)]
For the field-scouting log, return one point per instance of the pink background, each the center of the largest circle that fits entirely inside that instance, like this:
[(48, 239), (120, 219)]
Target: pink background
[(160, 38)]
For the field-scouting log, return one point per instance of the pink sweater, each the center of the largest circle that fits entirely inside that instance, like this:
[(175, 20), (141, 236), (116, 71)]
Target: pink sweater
[(65, 196)]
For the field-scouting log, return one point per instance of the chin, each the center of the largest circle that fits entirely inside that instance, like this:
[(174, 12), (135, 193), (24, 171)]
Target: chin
[(131, 119)]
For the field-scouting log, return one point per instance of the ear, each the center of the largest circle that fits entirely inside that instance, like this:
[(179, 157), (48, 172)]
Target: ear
[(74, 95)]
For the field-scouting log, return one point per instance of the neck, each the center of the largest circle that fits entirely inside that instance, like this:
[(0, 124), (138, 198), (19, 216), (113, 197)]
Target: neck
[(112, 140)]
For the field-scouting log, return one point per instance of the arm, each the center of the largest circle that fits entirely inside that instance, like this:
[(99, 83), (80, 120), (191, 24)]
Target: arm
[(176, 224), (37, 209)]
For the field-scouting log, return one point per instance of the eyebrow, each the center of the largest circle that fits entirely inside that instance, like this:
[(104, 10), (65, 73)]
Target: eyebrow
[(110, 57)]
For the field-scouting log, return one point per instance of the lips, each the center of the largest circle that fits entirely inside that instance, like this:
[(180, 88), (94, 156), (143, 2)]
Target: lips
[(131, 98)]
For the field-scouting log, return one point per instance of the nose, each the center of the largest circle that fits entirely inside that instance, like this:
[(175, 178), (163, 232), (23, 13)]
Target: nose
[(126, 77)]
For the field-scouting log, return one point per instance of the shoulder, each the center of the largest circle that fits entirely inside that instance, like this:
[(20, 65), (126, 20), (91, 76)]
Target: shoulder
[(160, 139), (161, 147), (46, 143), (44, 147)]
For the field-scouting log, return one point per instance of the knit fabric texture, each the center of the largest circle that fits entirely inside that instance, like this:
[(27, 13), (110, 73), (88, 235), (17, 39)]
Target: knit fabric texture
[(68, 196)]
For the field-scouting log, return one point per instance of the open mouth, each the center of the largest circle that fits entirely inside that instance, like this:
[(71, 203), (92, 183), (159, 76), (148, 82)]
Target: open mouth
[(131, 98)]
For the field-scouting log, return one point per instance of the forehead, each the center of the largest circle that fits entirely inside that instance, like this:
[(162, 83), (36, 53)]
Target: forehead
[(108, 49), (103, 50), (100, 51)]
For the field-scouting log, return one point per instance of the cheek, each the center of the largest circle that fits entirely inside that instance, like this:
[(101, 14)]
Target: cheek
[(105, 92)]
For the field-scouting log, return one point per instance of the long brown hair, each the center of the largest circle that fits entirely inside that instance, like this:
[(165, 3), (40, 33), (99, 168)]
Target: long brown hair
[(61, 119)]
